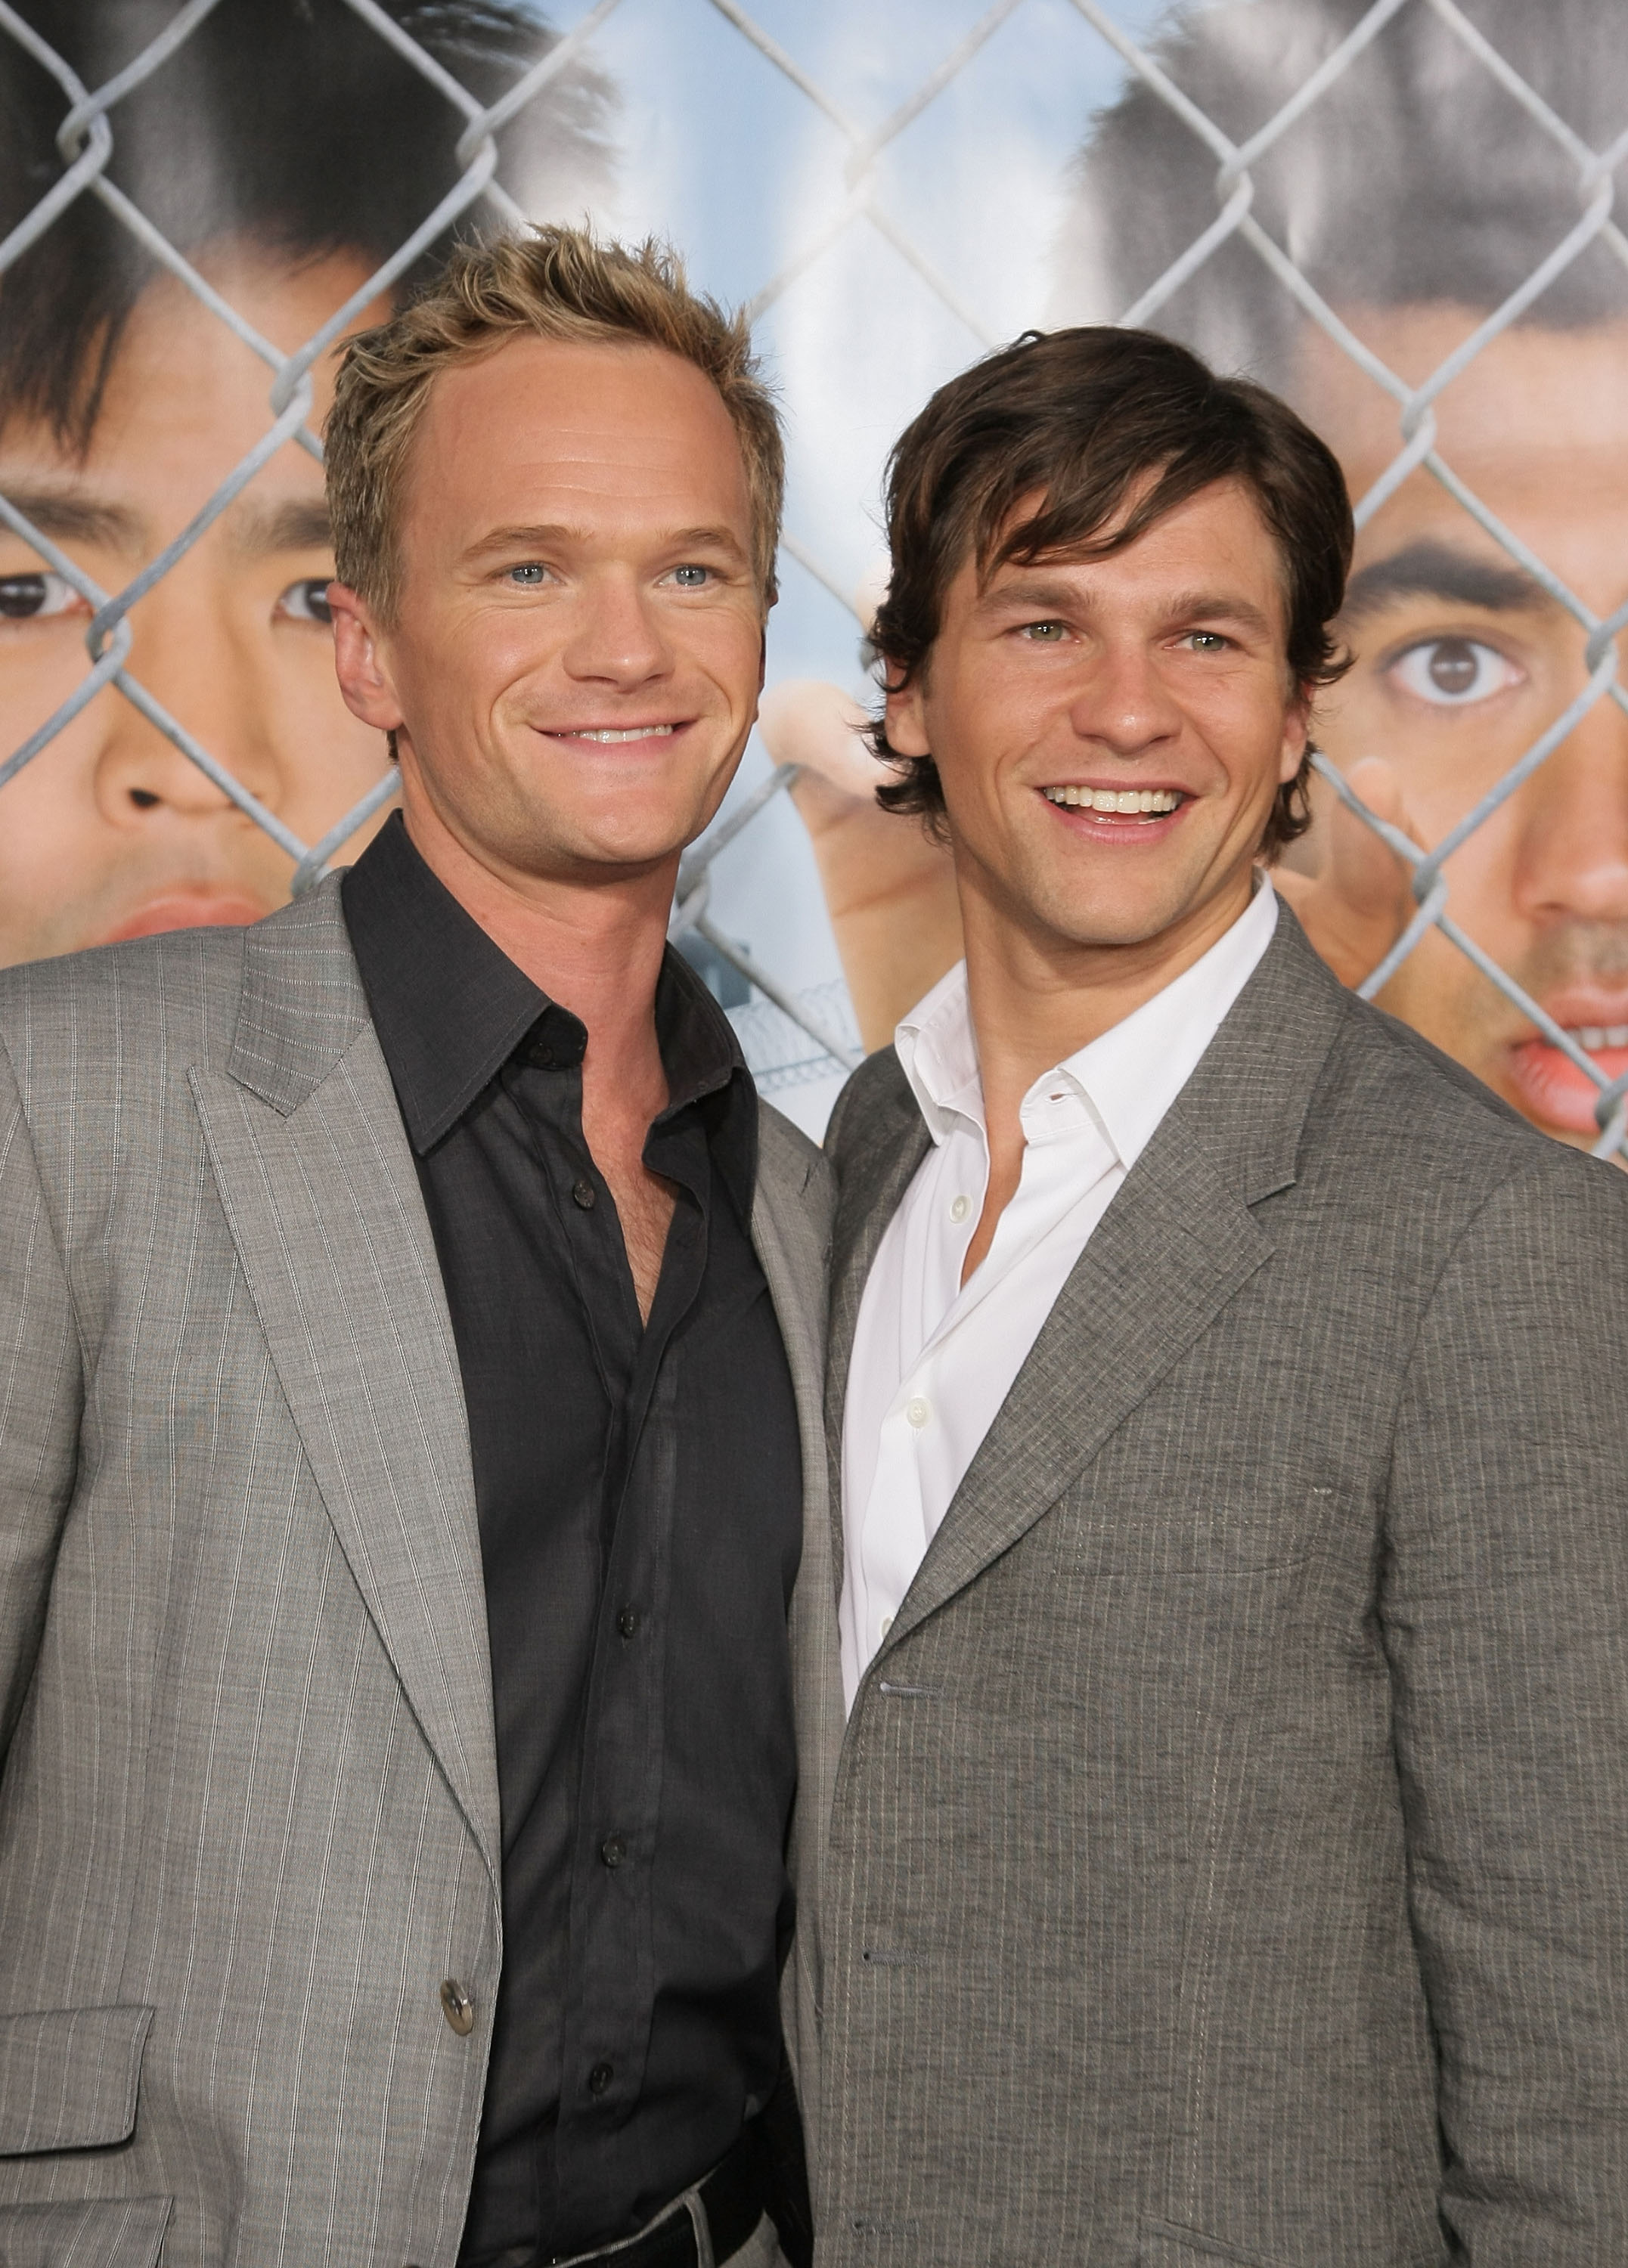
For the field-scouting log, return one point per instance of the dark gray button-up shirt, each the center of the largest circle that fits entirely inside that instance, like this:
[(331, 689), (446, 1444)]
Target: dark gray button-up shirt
[(638, 1489)]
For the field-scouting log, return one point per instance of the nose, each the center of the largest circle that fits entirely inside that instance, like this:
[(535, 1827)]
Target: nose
[(1572, 819), (1123, 704), (616, 638), (185, 653)]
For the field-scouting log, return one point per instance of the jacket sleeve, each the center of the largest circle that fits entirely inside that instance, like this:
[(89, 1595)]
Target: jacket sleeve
[(41, 1394), (1505, 1606)]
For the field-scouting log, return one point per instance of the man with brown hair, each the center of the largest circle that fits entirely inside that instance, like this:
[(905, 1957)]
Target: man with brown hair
[(410, 1448), (1224, 1858)]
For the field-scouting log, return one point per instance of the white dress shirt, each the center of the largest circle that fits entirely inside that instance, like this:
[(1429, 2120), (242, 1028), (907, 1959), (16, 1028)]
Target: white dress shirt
[(932, 1362)]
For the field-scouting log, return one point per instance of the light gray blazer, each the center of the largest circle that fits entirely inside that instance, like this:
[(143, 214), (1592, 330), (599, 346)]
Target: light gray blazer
[(248, 1808), (1227, 1858)]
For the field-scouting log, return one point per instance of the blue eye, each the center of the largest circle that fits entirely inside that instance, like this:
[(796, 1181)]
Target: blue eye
[(691, 577), (528, 575)]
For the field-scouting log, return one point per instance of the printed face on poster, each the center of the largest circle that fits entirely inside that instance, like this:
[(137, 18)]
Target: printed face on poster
[(286, 155)]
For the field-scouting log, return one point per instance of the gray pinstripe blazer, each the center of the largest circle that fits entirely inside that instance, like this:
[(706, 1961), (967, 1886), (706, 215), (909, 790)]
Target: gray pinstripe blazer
[(1227, 1856), (248, 1815)]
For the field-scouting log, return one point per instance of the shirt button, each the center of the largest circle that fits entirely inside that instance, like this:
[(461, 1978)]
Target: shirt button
[(627, 1622), (457, 2008), (887, 1624), (918, 1411), (599, 2077), (960, 1207), (582, 1194), (613, 1850)]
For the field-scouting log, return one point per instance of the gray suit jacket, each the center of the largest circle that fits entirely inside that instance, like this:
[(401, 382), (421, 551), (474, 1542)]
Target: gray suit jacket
[(248, 1813), (1228, 1859)]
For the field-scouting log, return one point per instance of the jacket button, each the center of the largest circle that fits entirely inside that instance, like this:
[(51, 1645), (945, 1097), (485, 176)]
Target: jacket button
[(582, 1192), (627, 1622), (599, 2077), (457, 2008), (613, 1850)]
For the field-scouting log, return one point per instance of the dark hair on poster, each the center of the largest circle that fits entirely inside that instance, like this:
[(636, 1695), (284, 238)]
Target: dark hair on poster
[(288, 124), (1416, 178)]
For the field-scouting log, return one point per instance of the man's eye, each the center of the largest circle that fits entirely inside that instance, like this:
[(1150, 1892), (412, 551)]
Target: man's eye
[(306, 602), (528, 575), (1207, 641), (1453, 671), (691, 577), (30, 598), (1044, 633)]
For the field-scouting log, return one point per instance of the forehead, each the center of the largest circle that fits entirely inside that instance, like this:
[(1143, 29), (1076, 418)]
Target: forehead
[(1217, 537), (550, 430), (1538, 426), (185, 399)]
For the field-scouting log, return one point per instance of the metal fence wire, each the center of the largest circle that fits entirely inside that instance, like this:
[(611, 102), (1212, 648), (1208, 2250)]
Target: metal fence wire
[(87, 137)]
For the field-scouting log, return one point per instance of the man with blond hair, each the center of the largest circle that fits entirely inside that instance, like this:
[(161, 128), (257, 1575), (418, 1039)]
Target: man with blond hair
[(410, 1449)]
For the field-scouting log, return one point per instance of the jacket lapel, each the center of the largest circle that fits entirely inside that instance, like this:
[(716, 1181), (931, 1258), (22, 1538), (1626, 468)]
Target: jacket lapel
[(1177, 1243), (791, 1222), (872, 1184), (322, 1199)]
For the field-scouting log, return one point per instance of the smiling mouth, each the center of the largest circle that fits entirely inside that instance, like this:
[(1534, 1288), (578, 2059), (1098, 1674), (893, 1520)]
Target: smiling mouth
[(1122, 803), (610, 736), (1551, 1089)]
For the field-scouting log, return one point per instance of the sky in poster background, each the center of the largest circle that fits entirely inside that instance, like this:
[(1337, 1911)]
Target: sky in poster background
[(720, 152)]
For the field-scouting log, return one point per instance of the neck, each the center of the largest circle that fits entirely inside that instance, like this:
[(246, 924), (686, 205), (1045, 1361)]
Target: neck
[(595, 947), (1035, 998)]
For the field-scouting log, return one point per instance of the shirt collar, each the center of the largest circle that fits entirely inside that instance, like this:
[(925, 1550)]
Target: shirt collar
[(450, 1008), (1127, 1079)]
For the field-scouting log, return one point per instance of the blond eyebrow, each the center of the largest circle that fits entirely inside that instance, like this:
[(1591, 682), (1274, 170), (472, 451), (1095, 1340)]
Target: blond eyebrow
[(545, 538), (75, 515)]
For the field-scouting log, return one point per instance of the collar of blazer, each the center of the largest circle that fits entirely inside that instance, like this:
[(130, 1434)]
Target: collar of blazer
[(1175, 1245), (322, 1198)]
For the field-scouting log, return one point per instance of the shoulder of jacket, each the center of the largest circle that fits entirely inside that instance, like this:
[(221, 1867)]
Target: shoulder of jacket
[(1394, 1105), (113, 999)]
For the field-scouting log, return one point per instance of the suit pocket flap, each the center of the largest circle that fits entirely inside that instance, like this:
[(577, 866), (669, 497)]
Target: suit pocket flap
[(68, 2078), (101, 2233)]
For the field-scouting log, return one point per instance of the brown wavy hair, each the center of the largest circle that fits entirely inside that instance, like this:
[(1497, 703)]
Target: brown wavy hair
[(1079, 417)]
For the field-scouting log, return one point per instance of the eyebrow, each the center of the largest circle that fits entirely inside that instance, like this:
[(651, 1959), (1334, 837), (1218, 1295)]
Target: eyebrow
[(71, 516), (1063, 599), (1441, 571), (543, 538), (301, 524)]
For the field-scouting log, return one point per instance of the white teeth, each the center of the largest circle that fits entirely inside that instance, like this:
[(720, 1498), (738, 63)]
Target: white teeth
[(1120, 802), (634, 732), (1592, 1037)]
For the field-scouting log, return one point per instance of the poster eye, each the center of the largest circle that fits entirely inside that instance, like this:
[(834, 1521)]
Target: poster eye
[(306, 602), (1452, 673), (31, 597)]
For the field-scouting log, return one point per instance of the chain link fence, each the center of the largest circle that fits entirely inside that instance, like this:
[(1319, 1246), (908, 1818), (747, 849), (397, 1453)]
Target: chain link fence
[(794, 1035)]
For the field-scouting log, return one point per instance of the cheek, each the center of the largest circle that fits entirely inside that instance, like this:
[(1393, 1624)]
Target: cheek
[(53, 836), (39, 668)]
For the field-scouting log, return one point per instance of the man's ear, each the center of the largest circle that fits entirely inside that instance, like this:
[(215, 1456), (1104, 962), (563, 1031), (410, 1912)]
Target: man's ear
[(906, 717), (1296, 734), (361, 660)]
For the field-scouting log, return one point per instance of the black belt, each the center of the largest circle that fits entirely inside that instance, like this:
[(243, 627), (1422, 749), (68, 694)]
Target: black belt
[(732, 2198), (763, 2173)]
